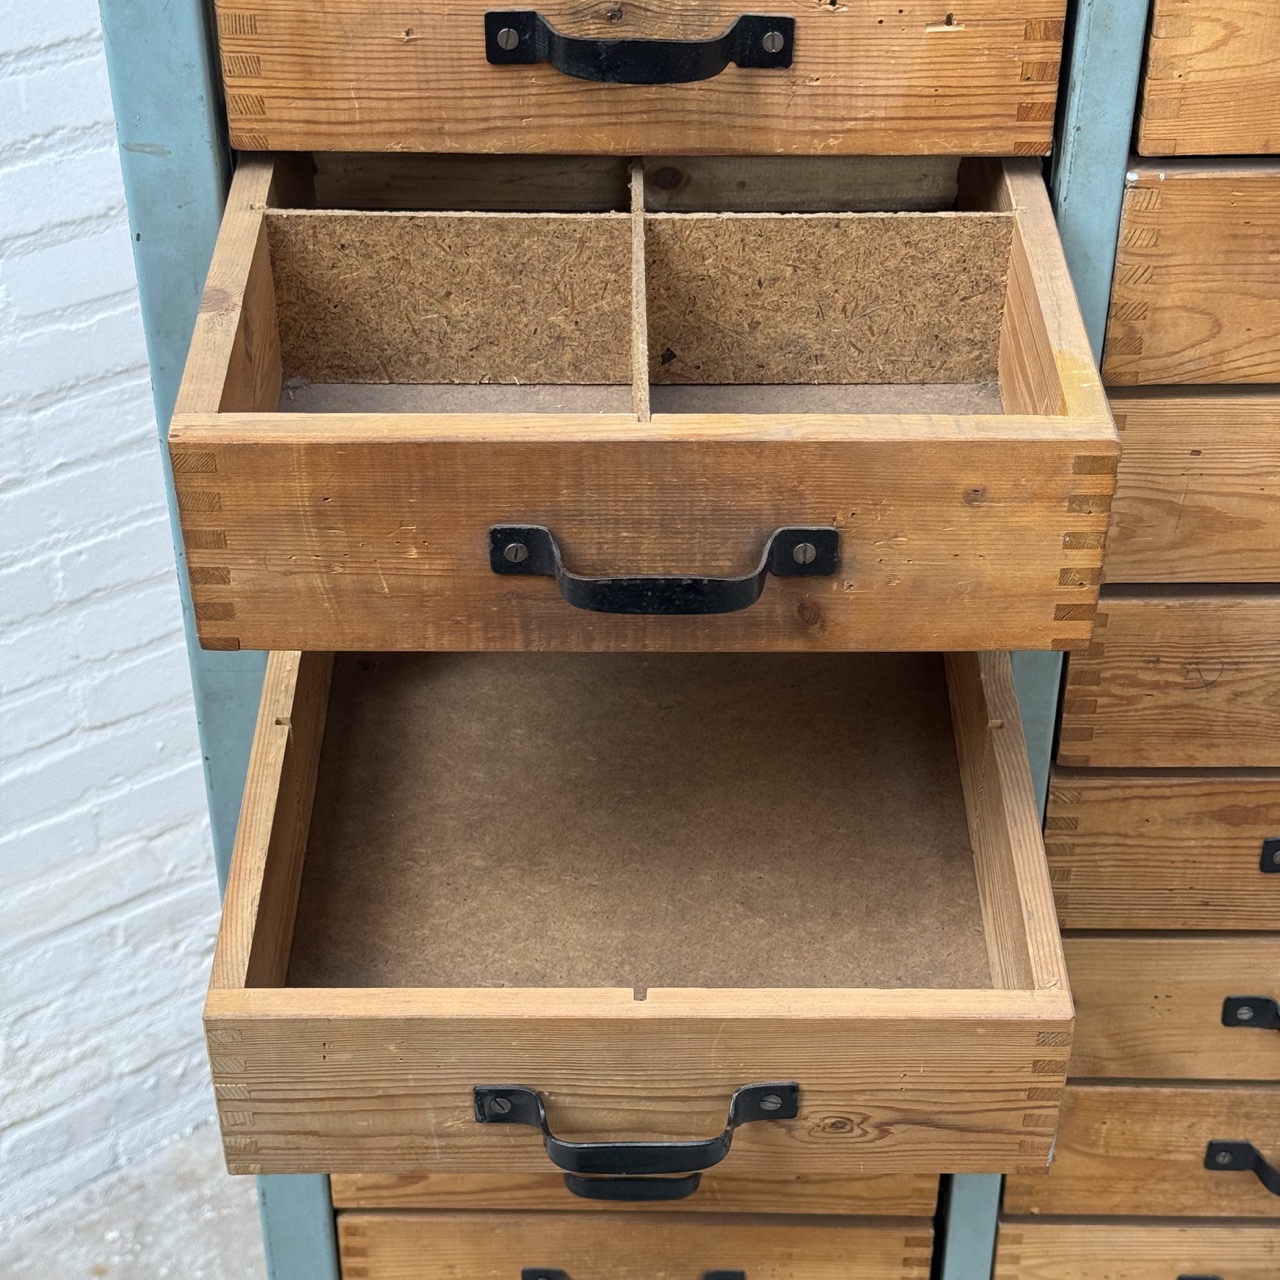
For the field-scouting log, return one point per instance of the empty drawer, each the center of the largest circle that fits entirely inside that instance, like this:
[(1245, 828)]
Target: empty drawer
[(625, 888), (645, 430)]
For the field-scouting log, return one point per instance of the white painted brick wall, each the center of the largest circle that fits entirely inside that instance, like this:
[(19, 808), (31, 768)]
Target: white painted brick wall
[(107, 896)]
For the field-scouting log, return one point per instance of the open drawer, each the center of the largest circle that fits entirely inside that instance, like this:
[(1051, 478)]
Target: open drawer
[(581, 431), (626, 887)]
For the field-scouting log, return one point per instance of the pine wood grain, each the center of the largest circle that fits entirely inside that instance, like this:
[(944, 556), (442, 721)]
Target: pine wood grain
[(1196, 293), (1151, 1008), (1177, 680), (1198, 493), (621, 1246), (892, 1081), (1140, 1150), (897, 1195), (897, 78), (1130, 1251), (1212, 79), (1163, 850)]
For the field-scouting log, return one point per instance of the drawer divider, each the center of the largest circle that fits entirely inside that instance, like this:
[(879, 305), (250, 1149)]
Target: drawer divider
[(639, 301)]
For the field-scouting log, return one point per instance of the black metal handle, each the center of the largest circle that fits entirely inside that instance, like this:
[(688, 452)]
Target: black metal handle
[(1242, 1157), (789, 553), (1262, 1012), (1199, 1278), (634, 1170), (1270, 861), (556, 1273), (517, 36)]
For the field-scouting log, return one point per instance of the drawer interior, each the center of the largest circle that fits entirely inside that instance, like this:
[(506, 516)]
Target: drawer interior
[(735, 296), (675, 820)]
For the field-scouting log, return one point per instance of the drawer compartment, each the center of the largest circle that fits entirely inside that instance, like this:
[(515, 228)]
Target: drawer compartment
[(442, 1246), (1158, 1008), (1133, 1251), (369, 394), (1143, 1150), (1198, 495), (1176, 679), (1190, 850), (897, 77), (635, 884)]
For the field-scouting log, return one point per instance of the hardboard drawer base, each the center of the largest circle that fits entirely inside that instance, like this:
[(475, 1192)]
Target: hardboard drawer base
[(634, 885)]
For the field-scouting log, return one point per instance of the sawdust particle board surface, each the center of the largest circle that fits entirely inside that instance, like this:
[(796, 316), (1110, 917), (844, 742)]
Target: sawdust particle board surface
[(713, 820)]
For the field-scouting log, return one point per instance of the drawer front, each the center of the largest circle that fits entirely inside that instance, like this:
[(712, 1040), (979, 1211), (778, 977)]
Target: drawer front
[(1198, 492), (1167, 851), (1141, 1151), (479, 1246), (1196, 296), (896, 1195), (1153, 1008), (899, 78), (1177, 680), (1120, 1251), (1212, 82)]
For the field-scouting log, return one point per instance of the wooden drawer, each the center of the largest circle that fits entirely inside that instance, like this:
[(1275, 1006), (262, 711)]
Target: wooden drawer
[(1196, 295), (1131, 1251), (911, 1195), (590, 876), (443, 1246), (1142, 1151), (1156, 1008), (1212, 82), (886, 78), (444, 374), (1198, 494), (1177, 679), (1164, 851)]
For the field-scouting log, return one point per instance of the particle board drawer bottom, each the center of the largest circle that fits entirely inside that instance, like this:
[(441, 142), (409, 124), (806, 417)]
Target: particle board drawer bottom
[(1132, 1251), (588, 875), (608, 1246)]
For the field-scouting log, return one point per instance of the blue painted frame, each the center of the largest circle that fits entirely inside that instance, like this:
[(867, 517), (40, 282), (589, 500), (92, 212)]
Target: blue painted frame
[(161, 61)]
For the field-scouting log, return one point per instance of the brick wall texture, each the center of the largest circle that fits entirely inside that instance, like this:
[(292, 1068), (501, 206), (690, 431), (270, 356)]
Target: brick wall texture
[(107, 897)]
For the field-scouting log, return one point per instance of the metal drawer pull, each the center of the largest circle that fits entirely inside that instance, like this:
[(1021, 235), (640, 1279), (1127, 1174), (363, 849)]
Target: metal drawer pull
[(791, 552), (555, 1273), (1262, 1012), (1242, 1157), (1199, 1278), (632, 1170), (1270, 860), (519, 36)]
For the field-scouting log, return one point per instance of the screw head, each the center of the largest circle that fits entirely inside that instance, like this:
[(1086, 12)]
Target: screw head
[(773, 42), (804, 553), (1245, 1013), (668, 178), (515, 553), (770, 1102), (500, 1106), (1222, 1158), (508, 38)]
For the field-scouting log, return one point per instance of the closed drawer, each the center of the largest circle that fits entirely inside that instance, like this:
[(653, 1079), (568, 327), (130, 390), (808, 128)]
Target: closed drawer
[(1129, 1251), (1176, 679), (635, 884), (1212, 81), (1175, 1007), (1196, 295), (1198, 494), (1143, 1151), (911, 1195), (369, 396), (906, 77), (441, 1246), (1191, 850)]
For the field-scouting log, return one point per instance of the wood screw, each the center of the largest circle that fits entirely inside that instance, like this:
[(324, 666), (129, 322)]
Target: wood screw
[(1244, 1013), (500, 1106), (1222, 1158), (770, 1102), (515, 553), (508, 38), (772, 42), (804, 553)]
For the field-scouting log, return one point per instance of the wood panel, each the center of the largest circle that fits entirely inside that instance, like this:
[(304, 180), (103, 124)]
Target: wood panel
[(1131, 1251), (890, 77), (1212, 81), (1163, 851), (899, 1195), (1152, 1007), (1198, 493), (620, 1246), (1140, 1150), (1177, 679), (1196, 295)]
